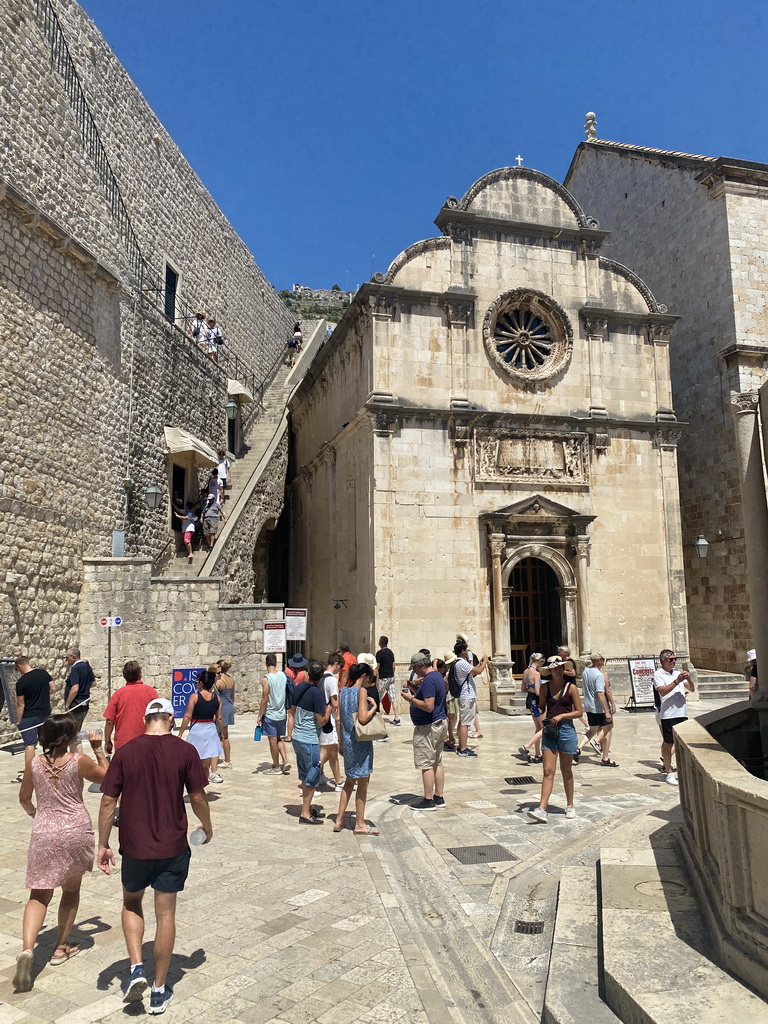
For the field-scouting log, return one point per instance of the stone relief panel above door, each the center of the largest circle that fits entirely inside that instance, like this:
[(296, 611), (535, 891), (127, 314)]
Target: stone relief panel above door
[(528, 336), (541, 457)]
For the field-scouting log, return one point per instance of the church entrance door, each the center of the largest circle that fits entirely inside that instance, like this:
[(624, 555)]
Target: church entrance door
[(534, 611)]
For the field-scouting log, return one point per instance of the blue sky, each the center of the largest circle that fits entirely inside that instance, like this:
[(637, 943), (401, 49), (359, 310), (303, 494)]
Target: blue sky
[(331, 132)]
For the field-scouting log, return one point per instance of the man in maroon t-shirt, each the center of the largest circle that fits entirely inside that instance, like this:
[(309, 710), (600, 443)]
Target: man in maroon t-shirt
[(150, 774)]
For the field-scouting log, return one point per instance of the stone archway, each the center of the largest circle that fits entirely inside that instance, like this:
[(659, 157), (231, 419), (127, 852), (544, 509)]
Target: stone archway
[(539, 591), (541, 529)]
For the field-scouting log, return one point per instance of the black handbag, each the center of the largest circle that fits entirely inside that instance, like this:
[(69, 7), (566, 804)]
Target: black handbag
[(551, 729)]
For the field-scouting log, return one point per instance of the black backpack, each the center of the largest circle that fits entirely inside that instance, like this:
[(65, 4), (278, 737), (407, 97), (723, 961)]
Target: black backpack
[(454, 686)]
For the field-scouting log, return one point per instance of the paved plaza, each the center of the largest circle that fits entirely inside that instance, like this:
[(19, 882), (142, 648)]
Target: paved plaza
[(284, 923)]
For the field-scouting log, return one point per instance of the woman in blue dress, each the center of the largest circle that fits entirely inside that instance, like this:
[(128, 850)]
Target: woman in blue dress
[(358, 756)]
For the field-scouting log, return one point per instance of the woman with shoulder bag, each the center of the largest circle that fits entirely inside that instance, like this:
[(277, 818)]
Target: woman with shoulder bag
[(356, 704), (561, 702)]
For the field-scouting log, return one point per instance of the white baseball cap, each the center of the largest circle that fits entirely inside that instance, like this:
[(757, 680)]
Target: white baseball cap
[(752, 655), (159, 706)]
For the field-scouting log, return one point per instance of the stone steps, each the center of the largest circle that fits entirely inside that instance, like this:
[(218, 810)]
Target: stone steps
[(722, 686), (659, 962)]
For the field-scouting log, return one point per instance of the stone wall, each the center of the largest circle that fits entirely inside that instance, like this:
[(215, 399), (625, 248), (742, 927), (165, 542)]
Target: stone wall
[(174, 217), (170, 624), (94, 369), (694, 252)]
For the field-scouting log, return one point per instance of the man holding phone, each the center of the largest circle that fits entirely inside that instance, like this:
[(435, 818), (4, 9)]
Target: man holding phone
[(429, 728), (669, 689)]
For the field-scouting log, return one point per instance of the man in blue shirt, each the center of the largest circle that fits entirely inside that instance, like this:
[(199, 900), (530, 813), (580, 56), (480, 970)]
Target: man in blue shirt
[(306, 716), (429, 729), (77, 691)]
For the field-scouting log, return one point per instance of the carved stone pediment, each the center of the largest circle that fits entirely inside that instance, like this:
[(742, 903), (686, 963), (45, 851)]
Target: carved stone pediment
[(538, 457)]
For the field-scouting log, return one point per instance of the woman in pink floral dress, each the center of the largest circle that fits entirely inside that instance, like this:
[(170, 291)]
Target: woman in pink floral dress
[(62, 844)]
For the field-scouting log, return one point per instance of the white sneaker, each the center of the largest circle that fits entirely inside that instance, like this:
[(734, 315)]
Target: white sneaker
[(225, 764), (570, 811), (214, 777), (538, 814), (672, 779)]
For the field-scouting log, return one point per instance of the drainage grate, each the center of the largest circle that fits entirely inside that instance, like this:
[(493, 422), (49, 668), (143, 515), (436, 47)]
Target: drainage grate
[(481, 854), (529, 927), (521, 780)]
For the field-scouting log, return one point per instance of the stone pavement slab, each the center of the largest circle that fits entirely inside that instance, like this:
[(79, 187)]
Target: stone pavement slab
[(284, 924)]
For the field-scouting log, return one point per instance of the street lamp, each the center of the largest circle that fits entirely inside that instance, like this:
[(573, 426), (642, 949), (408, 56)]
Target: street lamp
[(231, 408), (701, 546), (153, 496)]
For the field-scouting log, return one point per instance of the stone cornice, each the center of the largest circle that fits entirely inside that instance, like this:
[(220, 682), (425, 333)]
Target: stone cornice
[(38, 221), (617, 316), (750, 351), (487, 418), (455, 222)]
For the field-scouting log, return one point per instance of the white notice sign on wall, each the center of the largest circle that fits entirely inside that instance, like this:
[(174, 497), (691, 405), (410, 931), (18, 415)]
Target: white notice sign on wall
[(295, 623), (274, 637)]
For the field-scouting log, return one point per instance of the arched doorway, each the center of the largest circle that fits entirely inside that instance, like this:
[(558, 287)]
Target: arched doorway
[(535, 621)]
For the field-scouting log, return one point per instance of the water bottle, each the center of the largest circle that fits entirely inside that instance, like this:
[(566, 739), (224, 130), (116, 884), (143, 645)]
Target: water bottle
[(257, 733), (535, 709), (197, 838)]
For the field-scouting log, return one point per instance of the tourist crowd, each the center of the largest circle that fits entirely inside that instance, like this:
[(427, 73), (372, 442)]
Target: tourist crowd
[(327, 711)]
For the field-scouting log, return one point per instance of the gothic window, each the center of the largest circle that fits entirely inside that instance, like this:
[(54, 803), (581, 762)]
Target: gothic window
[(527, 335)]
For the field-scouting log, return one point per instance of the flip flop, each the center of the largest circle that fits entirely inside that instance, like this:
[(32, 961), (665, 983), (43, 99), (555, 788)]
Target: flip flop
[(338, 828), (69, 952), (367, 832)]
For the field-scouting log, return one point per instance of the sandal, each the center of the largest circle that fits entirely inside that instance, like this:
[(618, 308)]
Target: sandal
[(366, 832), (534, 760), (338, 828), (609, 764), (69, 952)]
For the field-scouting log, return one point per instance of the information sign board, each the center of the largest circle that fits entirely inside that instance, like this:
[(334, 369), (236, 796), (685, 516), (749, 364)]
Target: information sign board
[(295, 623), (641, 677), (274, 637)]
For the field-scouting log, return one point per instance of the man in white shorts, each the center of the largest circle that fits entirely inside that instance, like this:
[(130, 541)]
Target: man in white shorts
[(465, 676), (329, 738)]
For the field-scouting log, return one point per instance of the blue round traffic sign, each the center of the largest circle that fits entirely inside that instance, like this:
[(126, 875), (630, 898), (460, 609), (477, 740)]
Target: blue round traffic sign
[(118, 621)]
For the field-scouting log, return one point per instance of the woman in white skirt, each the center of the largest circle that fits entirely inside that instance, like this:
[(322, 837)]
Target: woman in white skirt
[(203, 719)]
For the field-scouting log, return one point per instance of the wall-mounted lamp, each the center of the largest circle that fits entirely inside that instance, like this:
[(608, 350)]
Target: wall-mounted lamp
[(231, 408), (701, 546), (338, 602), (153, 496)]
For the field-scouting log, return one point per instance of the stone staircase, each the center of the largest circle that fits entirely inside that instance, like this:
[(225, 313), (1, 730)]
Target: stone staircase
[(730, 686), (246, 470), (630, 945)]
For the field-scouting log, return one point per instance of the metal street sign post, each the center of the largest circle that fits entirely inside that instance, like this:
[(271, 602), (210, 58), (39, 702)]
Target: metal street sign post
[(109, 621)]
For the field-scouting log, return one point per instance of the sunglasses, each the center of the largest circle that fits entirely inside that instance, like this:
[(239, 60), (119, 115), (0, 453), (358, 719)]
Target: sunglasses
[(669, 659)]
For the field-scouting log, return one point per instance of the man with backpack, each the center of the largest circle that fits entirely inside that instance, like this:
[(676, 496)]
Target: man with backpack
[(461, 683)]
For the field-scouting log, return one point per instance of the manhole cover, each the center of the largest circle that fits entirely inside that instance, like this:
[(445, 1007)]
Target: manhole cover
[(521, 780), (663, 888), (481, 854), (529, 927)]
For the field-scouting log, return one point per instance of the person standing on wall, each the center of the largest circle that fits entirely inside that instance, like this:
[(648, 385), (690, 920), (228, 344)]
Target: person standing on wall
[(77, 690), (150, 774), (669, 689), (34, 689), (385, 668)]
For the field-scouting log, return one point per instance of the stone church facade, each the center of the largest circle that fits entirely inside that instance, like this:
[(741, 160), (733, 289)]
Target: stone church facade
[(487, 443), (695, 226), (109, 241)]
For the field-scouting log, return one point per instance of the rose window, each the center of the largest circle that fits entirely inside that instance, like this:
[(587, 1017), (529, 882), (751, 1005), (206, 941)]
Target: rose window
[(527, 335), (522, 339)]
